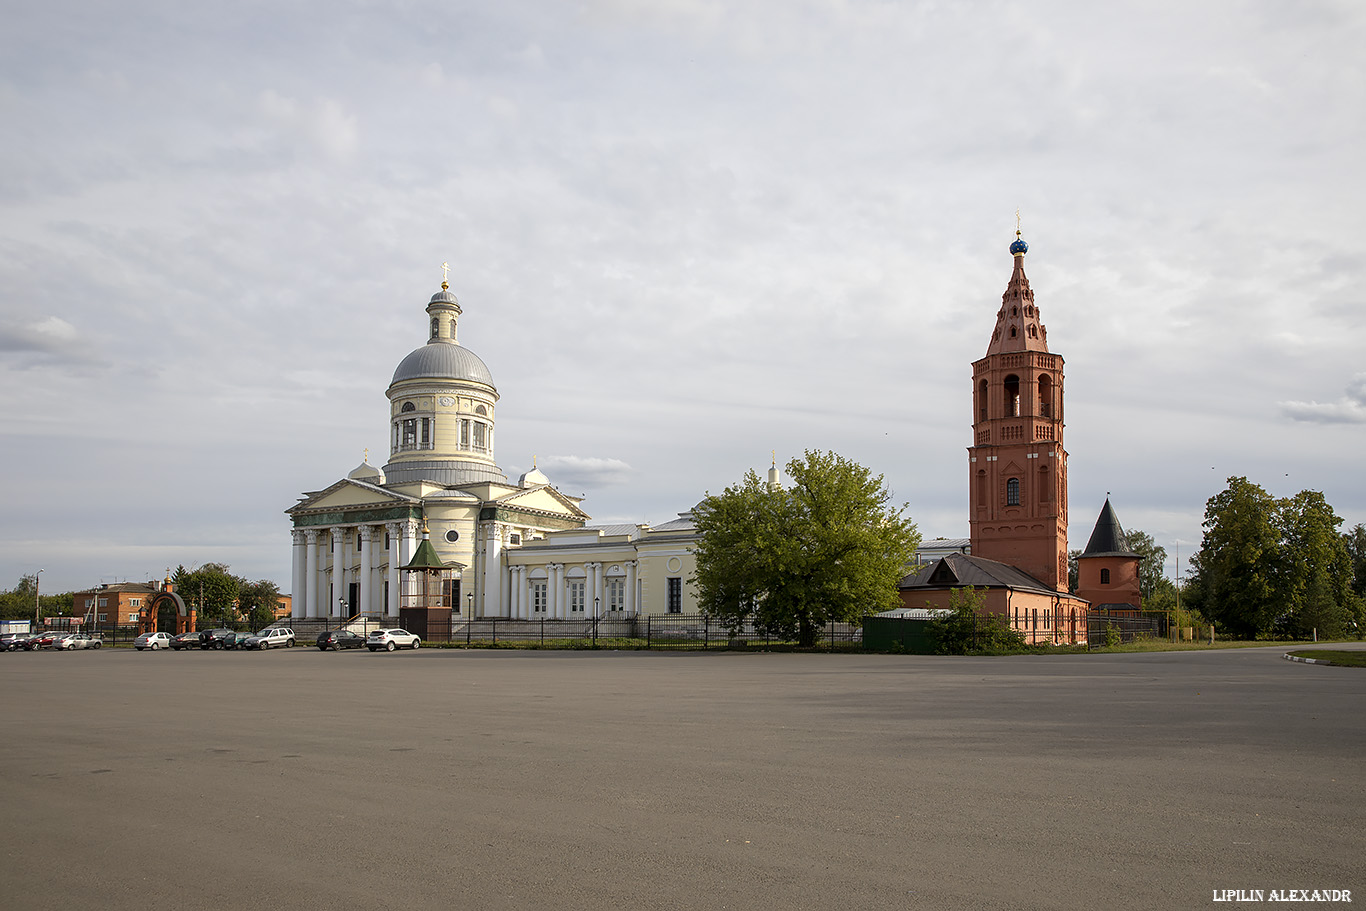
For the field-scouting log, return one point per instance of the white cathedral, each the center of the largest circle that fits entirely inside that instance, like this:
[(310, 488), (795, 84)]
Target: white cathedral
[(517, 551)]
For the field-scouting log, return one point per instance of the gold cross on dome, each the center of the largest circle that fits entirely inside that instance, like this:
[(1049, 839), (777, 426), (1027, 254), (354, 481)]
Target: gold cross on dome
[(445, 272), (367, 453), (1017, 222)]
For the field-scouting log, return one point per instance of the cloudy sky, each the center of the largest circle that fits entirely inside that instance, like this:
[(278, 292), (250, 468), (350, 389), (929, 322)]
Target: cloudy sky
[(684, 233)]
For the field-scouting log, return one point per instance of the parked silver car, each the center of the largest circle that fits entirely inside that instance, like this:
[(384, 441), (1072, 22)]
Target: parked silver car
[(390, 639), (270, 638), (75, 641), (152, 641)]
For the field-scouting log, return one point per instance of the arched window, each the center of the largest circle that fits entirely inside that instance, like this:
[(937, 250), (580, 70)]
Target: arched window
[(1104, 577), (981, 488), (1013, 492), (982, 399), (1014, 332), (1045, 396), (1012, 388), (436, 327), (407, 407), (480, 409)]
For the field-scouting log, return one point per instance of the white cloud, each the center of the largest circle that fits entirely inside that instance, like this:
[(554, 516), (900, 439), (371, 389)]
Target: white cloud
[(1350, 409), (51, 335), (580, 473)]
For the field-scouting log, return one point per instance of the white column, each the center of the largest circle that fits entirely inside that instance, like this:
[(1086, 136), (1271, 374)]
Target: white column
[(406, 550), (394, 529), (595, 596), (338, 573), (631, 607), (311, 580), (523, 593), (552, 591), (367, 567), (297, 606), (493, 571)]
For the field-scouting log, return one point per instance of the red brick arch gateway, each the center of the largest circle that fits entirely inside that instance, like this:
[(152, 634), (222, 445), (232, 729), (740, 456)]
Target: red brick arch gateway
[(166, 602)]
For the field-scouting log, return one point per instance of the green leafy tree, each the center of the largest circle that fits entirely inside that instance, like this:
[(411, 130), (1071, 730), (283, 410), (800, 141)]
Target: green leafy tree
[(1235, 571), (1314, 572), (831, 547), (1319, 611), (1152, 560), (1354, 542), (211, 590), (257, 602), (18, 603)]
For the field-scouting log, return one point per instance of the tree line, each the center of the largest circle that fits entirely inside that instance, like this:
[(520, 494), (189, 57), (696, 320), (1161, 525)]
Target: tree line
[(831, 546), (20, 602), (1278, 567), (220, 598)]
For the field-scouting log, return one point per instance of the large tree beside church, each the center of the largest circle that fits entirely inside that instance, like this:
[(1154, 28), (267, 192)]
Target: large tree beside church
[(831, 546), (1270, 566)]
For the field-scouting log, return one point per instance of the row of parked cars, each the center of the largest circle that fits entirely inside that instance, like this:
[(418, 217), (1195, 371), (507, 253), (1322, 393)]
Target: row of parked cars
[(279, 636), (274, 637), (28, 642)]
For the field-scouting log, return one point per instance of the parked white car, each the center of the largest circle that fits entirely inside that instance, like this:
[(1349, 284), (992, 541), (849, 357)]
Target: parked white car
[(390, 639), (152, 641), (270, 638)]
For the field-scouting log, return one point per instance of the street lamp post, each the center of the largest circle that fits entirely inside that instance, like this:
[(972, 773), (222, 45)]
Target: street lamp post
[(36, 603)]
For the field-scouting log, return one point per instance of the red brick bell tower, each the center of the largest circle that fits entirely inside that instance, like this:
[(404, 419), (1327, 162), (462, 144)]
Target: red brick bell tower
[(1017, 466)]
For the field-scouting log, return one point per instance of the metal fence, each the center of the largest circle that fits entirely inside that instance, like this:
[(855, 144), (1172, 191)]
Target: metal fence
[(670, 631), (1103, 627)]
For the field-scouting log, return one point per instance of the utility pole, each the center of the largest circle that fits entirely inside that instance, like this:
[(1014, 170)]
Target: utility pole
[(37, 605)]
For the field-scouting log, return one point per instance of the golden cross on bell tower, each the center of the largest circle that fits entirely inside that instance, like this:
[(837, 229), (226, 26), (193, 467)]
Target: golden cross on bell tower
[(446, 274), (1017, 222), (367, 454)]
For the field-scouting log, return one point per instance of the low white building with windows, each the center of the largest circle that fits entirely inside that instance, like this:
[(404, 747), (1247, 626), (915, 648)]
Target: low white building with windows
[(513, 550)]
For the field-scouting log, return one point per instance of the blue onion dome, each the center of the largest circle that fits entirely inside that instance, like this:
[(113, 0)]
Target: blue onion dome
[(1019, 248)]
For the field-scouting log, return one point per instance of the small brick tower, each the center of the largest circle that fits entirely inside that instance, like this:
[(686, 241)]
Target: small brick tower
[(1017, 464)]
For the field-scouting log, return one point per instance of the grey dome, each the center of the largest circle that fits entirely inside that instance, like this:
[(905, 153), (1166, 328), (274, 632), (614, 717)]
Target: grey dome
[(445, 360), (444, 296)]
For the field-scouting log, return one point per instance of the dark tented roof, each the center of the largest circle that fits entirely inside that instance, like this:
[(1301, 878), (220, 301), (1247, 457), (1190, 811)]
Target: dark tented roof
[(957, 570), (1108, 537)]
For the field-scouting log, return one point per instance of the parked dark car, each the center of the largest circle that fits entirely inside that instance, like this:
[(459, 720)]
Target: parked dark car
[(239, 639), (216, 638), (338, 639), (185, 640), (11, 641)]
